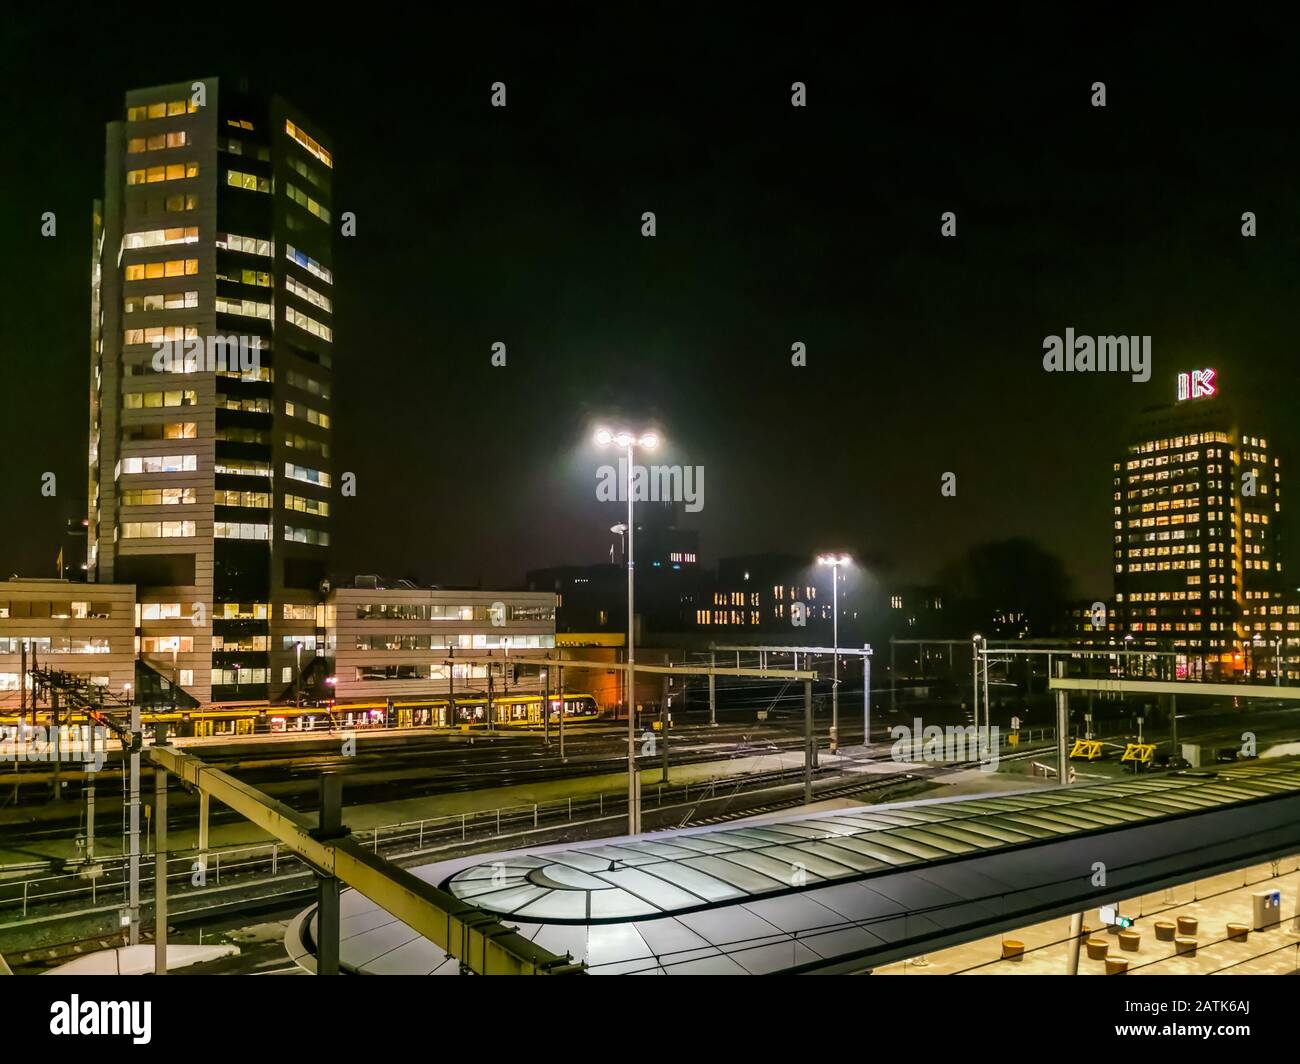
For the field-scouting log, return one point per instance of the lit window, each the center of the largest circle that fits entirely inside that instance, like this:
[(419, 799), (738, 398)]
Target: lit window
[(168, 172), (303, 291), (310, 143), (152, 270), (251, 182), (250, 245), (310, 325), (308, 263), (153, 238)]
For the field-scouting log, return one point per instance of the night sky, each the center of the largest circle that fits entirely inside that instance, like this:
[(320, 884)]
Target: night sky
[(775, 225)]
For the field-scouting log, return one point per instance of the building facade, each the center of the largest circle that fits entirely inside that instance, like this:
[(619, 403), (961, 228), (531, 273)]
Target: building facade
[(212, 298), (778, 594), (1271, 637), (395, 640), (85, 630)]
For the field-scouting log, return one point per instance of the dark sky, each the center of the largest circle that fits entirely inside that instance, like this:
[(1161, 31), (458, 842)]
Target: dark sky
[(775, 225)]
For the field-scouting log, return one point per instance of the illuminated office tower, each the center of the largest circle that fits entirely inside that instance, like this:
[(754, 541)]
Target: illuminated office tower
[(1196, 549), (212, 298)]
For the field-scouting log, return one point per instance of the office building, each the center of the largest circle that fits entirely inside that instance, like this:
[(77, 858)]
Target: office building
[(84, 630), (391, 639), (212, 298), (1196, 504)]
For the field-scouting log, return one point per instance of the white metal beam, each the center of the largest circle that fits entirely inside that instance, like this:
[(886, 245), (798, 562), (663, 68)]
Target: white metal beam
[(844, 652), (1175, 687), (668, 670)]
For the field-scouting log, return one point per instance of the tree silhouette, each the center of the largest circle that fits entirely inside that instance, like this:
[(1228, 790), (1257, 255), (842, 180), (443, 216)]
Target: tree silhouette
[(1015, 577)]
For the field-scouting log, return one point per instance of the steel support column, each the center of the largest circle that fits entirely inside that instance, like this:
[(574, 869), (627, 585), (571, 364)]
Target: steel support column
[(809, 750), (160, 871), (327, 907), (1062, 728)]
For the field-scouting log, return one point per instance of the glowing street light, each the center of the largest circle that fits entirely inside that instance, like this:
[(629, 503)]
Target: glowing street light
[(836, 562), (332, 683), (630, 441)]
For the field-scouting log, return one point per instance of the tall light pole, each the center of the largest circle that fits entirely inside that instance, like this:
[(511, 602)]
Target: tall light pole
[(630, 441), (836, 562), (297, 675)]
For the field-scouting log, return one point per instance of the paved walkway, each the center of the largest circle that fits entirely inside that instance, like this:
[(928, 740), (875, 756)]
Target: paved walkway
[(1213, 902)]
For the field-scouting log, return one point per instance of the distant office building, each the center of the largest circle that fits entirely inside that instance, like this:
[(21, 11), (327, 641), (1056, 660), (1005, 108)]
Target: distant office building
[(781, 595), (212, 300), (1271, 636), (915, 611), (393, 640), (1197, 500), (87, 631), (1087, 624), (590, 599), (669, 579), (661, 541)]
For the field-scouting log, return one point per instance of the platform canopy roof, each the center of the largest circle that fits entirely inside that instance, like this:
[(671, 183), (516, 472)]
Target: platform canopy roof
[(803, 891)]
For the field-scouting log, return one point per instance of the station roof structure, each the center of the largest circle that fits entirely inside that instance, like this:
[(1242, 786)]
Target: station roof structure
[(849, 889)]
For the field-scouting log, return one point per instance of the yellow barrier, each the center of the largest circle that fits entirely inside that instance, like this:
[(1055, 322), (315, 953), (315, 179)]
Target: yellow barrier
[(1142, 752), (1088, 749)]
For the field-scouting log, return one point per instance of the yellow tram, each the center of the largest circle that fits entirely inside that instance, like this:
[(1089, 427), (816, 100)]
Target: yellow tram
[(470, 712)]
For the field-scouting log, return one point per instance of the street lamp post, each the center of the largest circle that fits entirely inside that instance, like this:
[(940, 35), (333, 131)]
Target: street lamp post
[(866, 700), (297, 675), (835, 561), (649, 441)]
